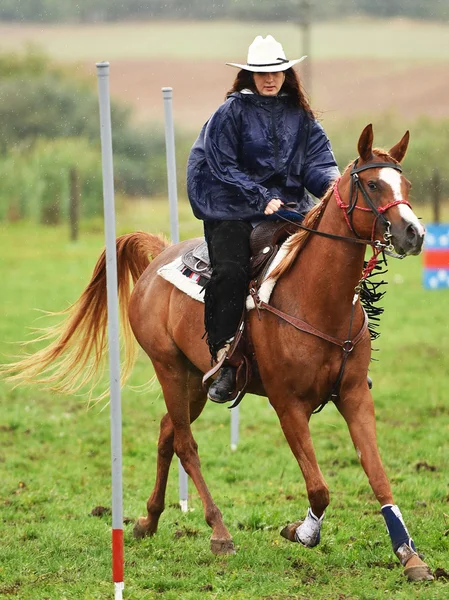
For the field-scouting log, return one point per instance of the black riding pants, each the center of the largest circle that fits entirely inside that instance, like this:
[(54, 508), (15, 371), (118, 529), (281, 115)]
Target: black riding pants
[(229, 251)]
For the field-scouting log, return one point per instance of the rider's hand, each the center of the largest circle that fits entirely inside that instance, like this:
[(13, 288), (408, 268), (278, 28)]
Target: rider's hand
[(273, 206)]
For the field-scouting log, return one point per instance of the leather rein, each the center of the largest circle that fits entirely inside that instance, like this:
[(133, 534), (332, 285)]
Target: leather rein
[(347, 345)]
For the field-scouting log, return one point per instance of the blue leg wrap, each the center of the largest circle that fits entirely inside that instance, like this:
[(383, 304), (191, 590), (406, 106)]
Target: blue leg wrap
[(396, 527)]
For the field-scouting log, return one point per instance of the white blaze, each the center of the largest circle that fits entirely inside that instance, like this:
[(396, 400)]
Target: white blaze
[(393, 179)]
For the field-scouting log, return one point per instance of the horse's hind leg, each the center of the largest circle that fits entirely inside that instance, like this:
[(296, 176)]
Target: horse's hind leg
[(357, 409), (187, 450), (185, 400), (155, 505), (156, 502)]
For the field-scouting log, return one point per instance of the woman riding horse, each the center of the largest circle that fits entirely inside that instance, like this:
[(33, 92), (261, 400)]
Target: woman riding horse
[(260, 150)]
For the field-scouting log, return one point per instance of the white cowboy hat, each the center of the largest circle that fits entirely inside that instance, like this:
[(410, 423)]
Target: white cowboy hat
[(266, 55)]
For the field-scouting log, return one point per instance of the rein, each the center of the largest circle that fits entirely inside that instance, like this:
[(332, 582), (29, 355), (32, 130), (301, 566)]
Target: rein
[(386, 246)]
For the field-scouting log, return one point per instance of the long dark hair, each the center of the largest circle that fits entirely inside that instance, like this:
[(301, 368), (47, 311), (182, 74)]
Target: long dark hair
[(292, 87)]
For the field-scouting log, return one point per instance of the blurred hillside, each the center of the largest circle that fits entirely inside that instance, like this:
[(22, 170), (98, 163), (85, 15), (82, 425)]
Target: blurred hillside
[(355, 66), (283, 10), (49, 134), (392, 73)]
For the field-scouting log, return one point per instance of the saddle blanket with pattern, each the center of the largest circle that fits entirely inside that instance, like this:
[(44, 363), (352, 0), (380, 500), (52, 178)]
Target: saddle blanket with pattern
[(190, 282)]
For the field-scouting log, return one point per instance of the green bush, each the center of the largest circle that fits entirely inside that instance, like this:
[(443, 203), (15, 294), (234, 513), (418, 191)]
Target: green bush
[(35, 180), (44, 104), (29, 63)]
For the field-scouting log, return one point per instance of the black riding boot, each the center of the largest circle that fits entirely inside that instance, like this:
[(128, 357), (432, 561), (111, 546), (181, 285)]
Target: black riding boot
[(225, 294), (223, 388)]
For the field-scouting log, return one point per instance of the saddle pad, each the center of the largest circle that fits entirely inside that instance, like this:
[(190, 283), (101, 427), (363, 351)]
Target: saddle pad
[(193, 284)]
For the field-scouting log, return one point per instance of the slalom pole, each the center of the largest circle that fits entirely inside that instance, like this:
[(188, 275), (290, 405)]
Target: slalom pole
[(167, 93), (113, 329), (235, 414)]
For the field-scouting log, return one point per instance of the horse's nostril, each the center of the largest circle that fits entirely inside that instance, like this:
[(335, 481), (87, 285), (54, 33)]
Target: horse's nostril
[(412, 233)]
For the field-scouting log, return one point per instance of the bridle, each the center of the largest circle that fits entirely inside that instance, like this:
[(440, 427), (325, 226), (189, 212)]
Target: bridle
[(379, 212), (357, 186)]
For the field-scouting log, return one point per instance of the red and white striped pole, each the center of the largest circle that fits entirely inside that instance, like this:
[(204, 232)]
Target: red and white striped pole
[(113, 328)]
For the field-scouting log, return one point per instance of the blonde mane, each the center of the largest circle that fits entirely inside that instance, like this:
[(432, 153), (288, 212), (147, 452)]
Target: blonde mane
[(297, 241)]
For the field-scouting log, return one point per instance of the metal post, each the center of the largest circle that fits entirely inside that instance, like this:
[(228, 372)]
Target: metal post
[(74, 210), (167, 93), (305, 25), (235, 415), (436, 195), (113, 328)]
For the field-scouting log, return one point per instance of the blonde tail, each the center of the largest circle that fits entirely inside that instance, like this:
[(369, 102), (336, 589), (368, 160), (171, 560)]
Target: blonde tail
[(75, 355)]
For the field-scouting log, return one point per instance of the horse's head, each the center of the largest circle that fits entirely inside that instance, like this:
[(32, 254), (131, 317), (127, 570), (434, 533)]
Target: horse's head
[(377, 187)]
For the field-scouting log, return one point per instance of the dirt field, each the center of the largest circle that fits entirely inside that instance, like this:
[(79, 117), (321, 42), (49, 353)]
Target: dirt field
[(339, 88), (409, 74)]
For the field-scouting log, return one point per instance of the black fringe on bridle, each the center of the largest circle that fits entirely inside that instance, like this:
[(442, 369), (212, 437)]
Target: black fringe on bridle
[(371, 293)]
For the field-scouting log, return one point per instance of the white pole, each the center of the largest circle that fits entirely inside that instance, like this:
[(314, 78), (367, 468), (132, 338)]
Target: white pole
[(167, 93), (113, 328), (235, 414)]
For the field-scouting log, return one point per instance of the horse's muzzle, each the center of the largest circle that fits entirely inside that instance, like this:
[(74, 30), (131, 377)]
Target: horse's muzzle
[(408, 240)]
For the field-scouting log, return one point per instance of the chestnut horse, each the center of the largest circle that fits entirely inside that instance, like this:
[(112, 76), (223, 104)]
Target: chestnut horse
[(297, 370)]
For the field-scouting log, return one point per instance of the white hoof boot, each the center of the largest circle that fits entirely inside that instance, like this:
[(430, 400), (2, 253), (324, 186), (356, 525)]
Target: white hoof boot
[(308, 533)]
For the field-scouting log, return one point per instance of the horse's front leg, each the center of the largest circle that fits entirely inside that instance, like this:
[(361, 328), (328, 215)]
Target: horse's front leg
[(357, 408), (295, 425)]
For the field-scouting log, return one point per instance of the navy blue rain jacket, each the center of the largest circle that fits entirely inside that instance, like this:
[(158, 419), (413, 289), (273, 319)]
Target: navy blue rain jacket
[(255, 148)]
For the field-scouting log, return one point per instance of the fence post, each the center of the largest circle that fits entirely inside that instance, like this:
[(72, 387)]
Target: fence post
[(436, 195), (74, 211), (305, 25)]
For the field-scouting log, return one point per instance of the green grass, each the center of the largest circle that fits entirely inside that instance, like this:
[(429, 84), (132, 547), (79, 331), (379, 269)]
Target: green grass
[(55, 460), (356, 38)]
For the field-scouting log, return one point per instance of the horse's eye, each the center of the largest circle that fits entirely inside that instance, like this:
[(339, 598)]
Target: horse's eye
[(372, 185)]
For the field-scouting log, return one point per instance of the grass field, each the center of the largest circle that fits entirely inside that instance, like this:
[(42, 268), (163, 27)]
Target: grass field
[(54, 456)]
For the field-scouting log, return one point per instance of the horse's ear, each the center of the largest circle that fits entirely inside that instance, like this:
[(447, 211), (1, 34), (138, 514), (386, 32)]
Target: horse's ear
[(398, 151), (365, 145)]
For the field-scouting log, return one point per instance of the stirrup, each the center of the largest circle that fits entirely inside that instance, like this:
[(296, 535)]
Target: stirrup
[(223, 389)]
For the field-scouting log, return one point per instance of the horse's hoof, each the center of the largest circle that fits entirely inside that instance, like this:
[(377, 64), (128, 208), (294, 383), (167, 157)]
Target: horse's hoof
[(289, 531), (140, 531), (417, 570), (418, 573), (225, 546)]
